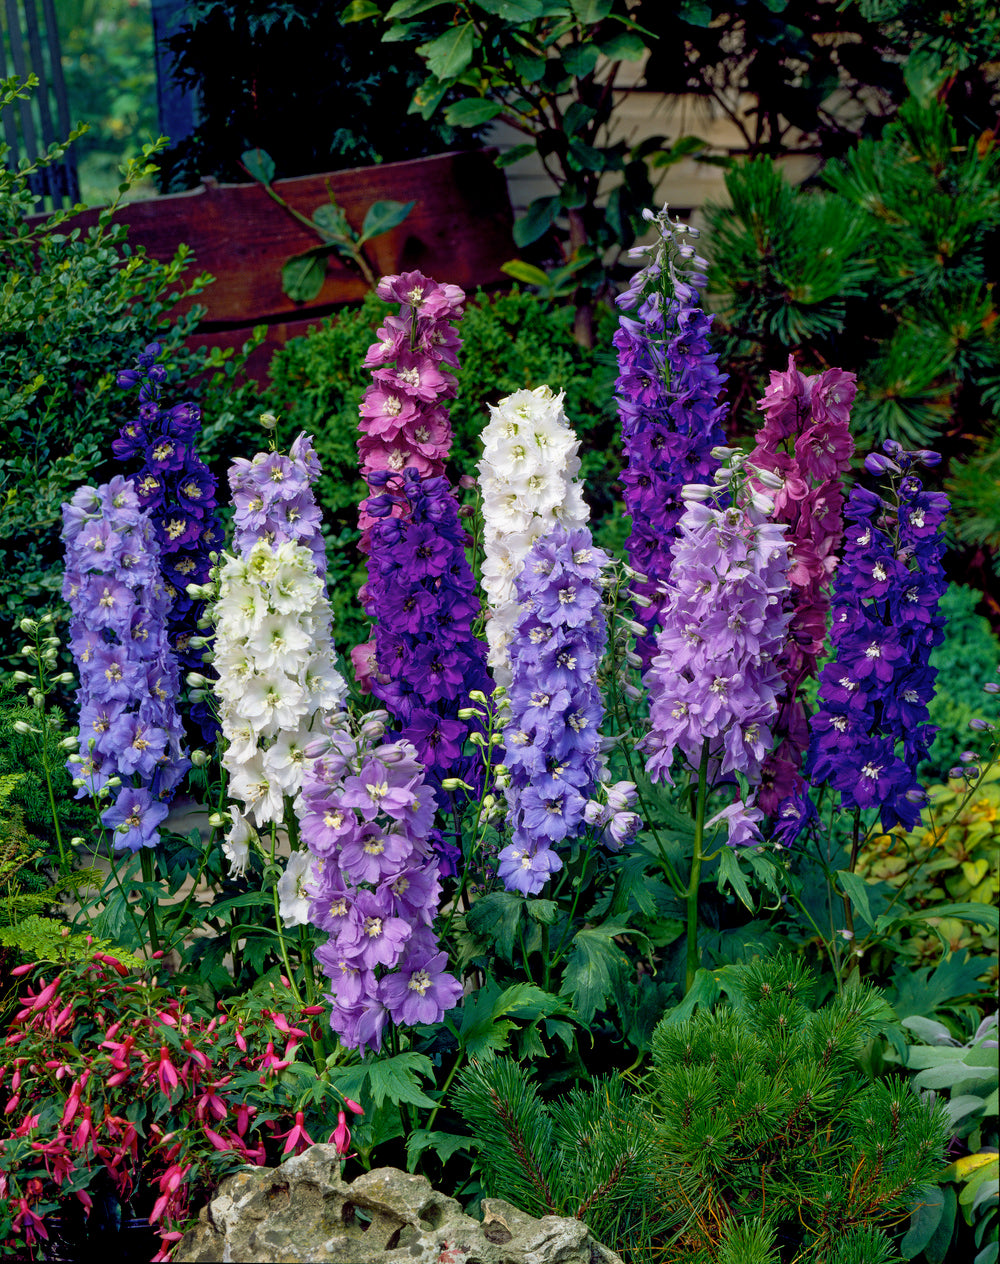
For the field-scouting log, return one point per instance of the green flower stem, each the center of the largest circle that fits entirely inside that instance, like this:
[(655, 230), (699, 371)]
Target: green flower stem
[(696, 863), (444, 1089), (148, 876)]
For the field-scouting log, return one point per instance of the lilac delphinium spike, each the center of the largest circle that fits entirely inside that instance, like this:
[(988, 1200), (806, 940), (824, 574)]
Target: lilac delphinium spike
[(177, 489), (422, 595), (803, 450), (274, 500), (365, 813), (129, 726), (871, 729), (668, 400), (553, 737), (714, 678)]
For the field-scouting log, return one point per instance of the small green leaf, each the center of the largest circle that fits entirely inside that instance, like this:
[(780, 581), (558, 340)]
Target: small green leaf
[(303, 275), (537, 221), (730, 872), (985, 915), (528, 66), (525, 272), (496, 916), (383, 216), (472, 112), (358, 11), (444, 1145), (627, 46), (513, 10), (410, 8), (450, 53), (704, 991), (856, 890), (594, 967), (428, 97), (260, 164), (396, 1079), (696, 12), (578, 115), (585, 157), (332, 223), (590, 12), (514, 154)]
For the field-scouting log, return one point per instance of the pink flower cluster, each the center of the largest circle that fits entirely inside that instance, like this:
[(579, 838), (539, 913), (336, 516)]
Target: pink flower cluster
[(403, 419), (805, 440)]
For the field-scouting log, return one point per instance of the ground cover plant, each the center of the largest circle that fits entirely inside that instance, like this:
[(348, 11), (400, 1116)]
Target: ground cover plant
[(549, 802)]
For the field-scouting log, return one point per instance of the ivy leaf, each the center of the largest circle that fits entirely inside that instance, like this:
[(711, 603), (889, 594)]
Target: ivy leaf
[(259, 163), (537, 221), (472, 112), (450, 53), (382, 216)]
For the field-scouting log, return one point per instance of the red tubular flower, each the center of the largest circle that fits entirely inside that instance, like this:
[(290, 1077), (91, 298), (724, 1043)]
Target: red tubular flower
[(297, 1137), (166, 1072), (341, 1135)]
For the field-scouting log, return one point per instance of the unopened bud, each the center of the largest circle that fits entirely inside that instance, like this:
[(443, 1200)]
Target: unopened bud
[(767, 478), (217, 820), (28, 626), (991, 686), (269, 421), (78, 841), (22, 678), (455, 783), (477, 739), (467, 482), (980, 724), (24, 728), (721, 453), (639, 600), (64, 678), (70, 743), (763, 504), (198, 758), (477, 695), (113, 782), (196, 680), (697, 491), (198, 695), (469, 713)]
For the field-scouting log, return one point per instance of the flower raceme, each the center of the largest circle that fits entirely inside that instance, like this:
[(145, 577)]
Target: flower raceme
[(668, 400), (714, 682), (366, 814), (806, 447), (871, 729), (528, 479), (130, 731)]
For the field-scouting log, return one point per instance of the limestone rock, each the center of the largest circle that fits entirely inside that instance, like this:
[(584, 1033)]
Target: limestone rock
[(304, 1213)]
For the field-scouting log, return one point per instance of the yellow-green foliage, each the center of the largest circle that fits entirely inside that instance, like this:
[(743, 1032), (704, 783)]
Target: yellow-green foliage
[(948, 858)]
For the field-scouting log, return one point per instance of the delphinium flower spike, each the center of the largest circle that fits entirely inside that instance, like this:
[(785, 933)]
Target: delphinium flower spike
[(528, 480), (177, 489), (668, 400), (130, 732), (803, 450), (274, 501), (871, 729), (366, 815), (714, 682), (553, 737)]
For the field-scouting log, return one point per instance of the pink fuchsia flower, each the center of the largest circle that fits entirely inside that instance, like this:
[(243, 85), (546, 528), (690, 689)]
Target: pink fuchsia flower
[(297, 1139), (341, 1136)]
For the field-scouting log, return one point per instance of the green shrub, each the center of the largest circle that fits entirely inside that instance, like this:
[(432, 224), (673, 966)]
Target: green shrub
[(510, 341), (75, 307)]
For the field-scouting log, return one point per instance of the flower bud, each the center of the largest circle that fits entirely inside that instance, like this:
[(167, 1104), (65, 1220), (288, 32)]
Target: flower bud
[(22, 678), (639, 600), (70, 743), (78, 841), (469, 713), (467, 482), (24, 728), (269, 421), (64, 678), (477, 695), (199, 758), (113, 783), (28, 626), (991, 686), (980, 724), (697, 491), (196, 680), (455, 783), (198, 695), (217, 820)]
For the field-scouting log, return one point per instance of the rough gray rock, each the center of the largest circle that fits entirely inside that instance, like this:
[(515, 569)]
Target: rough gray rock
[(304, 1213)]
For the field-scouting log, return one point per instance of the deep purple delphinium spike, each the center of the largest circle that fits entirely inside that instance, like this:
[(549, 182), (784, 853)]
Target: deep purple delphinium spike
[(129, 726), (178, 490), (553, 737), (667, 392), (365, 813), (871, 730), (422, 595), (714, 678), (805, 447)]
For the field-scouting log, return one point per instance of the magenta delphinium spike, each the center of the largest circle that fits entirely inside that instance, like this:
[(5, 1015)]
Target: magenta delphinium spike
[(366, 814), (553, 737), (177, 490), (805, 443), (714, 677), (871, 729), (668, 400), (404, 418), (129, 726)]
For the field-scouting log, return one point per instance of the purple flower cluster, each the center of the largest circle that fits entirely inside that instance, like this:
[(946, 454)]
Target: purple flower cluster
[(668, 389), (365, 814), (553, 737), (404, 423), (177, 490), (422, 594), (714, 677), (129, 726), (273, 500), (874, 695), (805, 442)]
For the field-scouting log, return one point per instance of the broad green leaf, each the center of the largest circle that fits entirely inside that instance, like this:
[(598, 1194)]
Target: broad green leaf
[(514, 154), (332, 222), (428, 97), (358, 11), (776, 6), (697, 12), (410, 8), (578, 115), (525, 272), (382, 216), (580, 60), (537, 221), (627, 46), (397, 1079), (594, 967), (528, 66), (472, 112), (925, 1216), (496, 916), (704, 991), (444, 1145), (952, 1073), (512, 10), (985, 915), (923, 991), (450, 53), (731, 874), (556, 1028), (260, 164), (302, 276), (590, 12), (542, 911), (985, 1175), (856, 890)]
